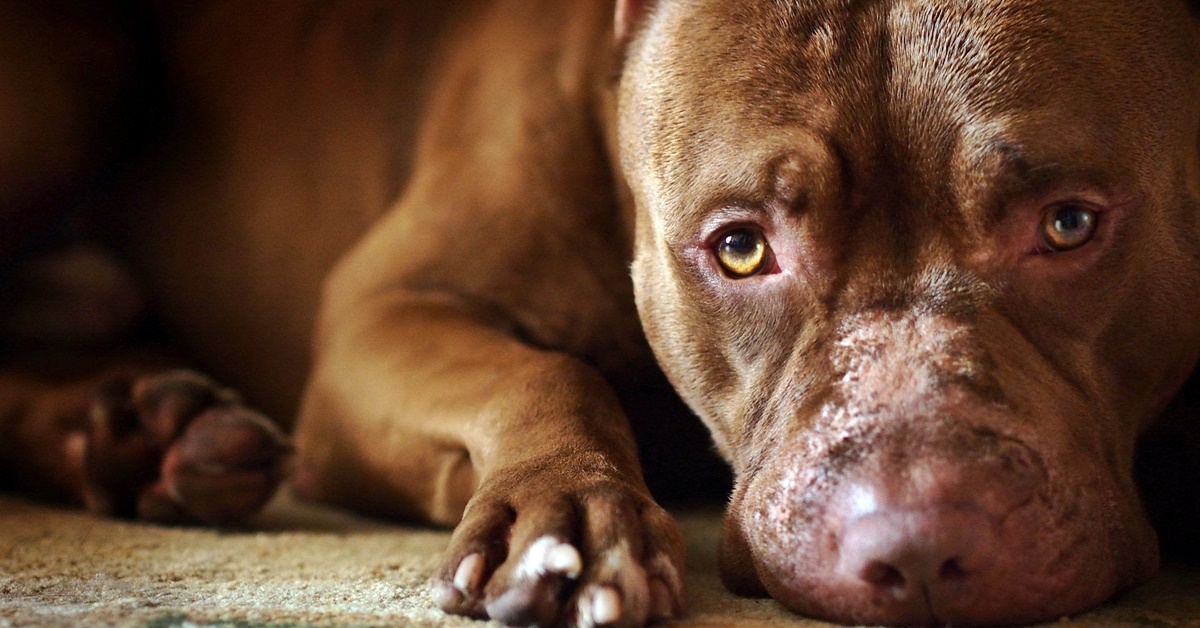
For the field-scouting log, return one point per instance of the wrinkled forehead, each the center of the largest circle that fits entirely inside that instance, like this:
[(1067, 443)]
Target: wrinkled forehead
[(717, 88)]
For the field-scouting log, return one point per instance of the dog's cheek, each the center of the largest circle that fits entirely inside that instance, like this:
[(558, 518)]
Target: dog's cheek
[(775, 538), (736, 557), (685, 345)]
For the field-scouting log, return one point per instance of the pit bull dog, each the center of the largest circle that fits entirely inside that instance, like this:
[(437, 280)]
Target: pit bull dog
[(927, 269)]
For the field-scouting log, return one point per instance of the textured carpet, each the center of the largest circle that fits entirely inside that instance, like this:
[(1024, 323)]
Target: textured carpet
[(303, 565)]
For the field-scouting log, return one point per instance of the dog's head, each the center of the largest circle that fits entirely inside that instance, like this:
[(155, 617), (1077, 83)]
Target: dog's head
[(926, 268)]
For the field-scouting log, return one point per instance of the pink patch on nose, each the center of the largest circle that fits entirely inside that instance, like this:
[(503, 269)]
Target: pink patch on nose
[(922, 559)]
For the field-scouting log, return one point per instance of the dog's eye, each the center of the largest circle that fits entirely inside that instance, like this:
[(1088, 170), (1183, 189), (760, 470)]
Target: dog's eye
[(743, 253), (1067, 227)]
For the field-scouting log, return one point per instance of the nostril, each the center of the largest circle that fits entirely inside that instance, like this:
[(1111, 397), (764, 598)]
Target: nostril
[(888, 576), (952, 571), (884, 576), (901, 553)]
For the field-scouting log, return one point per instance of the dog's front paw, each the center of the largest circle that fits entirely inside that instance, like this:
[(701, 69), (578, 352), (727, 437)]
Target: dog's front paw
[(548, 544), (177, 448)]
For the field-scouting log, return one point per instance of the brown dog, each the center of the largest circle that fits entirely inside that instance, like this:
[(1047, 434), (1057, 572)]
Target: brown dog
[(926, 268)]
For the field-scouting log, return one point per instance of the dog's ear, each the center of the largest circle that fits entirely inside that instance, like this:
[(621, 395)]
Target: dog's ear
[(629, 16)]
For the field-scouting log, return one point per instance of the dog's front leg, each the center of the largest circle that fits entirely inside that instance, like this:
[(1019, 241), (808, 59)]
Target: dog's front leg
[(422, 405), (451, 380)]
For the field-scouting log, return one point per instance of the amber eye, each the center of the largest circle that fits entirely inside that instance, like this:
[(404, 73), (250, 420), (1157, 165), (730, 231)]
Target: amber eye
[(1067, 227), (743, 253)]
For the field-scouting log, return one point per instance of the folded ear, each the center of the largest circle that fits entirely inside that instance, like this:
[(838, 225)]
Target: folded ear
[(629, 17)]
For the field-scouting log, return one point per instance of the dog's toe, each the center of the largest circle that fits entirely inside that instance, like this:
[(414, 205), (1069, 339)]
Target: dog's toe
[(601, 555), (177, 448), (633, 576), (513, 565)]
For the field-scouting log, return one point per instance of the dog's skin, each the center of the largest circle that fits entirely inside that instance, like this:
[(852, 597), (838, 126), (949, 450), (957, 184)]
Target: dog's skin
[(926, 269)]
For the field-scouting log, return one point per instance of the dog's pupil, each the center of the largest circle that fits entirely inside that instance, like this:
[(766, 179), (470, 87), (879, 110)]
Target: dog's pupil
[(1073, 221), (741, 244), (1068, 227)]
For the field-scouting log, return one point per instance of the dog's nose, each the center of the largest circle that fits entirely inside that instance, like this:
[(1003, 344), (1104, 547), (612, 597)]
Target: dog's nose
[(928, 539), (941, 527), (922, 558)]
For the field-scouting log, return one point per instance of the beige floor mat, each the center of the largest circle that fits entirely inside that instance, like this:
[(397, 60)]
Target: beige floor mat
[(303, 565)]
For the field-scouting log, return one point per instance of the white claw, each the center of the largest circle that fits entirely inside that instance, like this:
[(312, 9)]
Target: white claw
[(661, 605), (469, 574), (548, 555), (75, 450), (606, 606), (662, 566), (564, 559)]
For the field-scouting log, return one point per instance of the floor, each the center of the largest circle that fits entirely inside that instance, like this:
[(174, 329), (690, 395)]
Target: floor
[(302, 565)]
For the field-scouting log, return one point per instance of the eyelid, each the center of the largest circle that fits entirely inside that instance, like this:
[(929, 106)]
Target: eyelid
[(712, 236), (731, 217)]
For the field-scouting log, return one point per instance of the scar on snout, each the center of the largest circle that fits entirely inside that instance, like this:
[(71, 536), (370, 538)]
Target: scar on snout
[(549, 555)]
